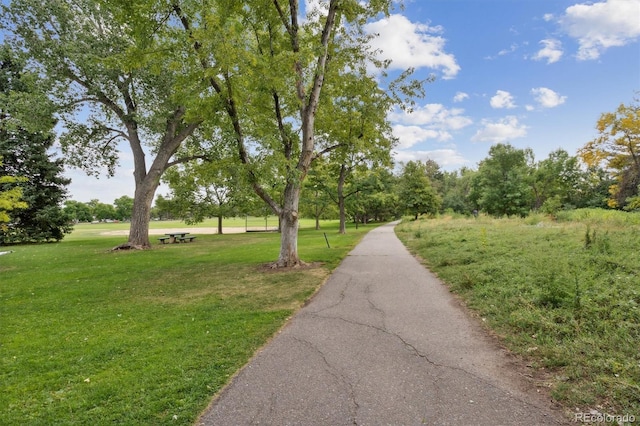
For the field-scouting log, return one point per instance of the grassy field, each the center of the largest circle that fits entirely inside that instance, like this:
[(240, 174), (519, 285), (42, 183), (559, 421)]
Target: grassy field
[(90, 336), (84, 230), (564, 295)]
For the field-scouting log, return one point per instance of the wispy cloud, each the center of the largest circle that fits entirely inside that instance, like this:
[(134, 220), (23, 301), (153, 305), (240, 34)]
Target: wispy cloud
[(551, 51)]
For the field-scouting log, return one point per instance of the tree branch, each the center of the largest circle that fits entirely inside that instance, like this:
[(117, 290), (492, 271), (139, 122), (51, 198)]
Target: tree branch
[(187, 159), (197, 46), (326, 150)]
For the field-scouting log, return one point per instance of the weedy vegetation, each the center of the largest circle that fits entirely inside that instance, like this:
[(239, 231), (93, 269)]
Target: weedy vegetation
[(90, 336), (562, 293)]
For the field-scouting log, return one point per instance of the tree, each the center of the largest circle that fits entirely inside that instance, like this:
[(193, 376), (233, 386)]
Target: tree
[(210, 189), (124, 207), (456, 188), (25, 154), (268, 72), (356, 133), (617, 148), (101, 211), (376, 197), (593, 188), (417, 195), (166, 208), (87, 54), (502, 185), (43, 188), (316, 198), (77, 211), (555, 181)]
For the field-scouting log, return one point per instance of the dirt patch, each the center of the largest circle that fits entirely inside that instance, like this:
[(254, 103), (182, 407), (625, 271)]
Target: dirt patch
[(190, 230), (271, 269)]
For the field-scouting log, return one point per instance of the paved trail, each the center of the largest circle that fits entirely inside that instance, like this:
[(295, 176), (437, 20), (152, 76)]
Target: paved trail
[(382, 343)]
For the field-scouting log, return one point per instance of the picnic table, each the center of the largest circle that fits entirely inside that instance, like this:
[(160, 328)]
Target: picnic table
[(177, 237)]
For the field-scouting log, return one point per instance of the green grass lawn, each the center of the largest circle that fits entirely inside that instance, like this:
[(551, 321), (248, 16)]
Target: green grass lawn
[(565, 295), (90, 336)]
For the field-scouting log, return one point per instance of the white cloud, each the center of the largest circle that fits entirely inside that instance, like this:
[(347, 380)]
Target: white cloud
[(548, 17), (552, 51), (409, 136), (602, 25), (547, 98), (430, 121), (409, 44), (460, 96), (435, 116), (444, 157), (502, 99), (503, 130)]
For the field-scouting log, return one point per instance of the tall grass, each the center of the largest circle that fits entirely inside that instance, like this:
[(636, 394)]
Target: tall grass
[(564, 295), (90, 336)]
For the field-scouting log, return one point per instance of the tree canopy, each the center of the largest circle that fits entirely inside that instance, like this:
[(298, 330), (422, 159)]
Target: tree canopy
[(416, 191), (617, 148), (502, 185), (87, 56)]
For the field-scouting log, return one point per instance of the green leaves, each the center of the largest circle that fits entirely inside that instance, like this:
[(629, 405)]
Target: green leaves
[(416, 191), (502, 186), (617, 147)]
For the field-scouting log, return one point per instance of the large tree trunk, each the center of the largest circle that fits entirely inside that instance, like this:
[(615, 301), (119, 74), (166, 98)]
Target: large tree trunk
[(139, 229), (219, 224), (289, 228)]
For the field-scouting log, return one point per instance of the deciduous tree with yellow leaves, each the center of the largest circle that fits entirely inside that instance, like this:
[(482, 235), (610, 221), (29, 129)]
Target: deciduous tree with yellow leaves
[(617, 149), (10, 199)]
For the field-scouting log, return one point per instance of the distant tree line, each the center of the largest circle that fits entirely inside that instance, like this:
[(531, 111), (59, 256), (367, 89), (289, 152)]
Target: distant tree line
[(95, 210), (508, 182)]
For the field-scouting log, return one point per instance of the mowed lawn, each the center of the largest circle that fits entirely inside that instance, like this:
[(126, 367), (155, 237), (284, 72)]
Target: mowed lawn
[(90, 336), (564, 295)]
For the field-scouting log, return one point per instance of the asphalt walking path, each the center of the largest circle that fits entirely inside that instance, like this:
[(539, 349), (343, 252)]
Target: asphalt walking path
[(382, 343)]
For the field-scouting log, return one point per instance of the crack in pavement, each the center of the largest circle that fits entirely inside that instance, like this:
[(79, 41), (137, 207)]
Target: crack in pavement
[(430, 361), (437, 377), (342, 295), (333, 371)]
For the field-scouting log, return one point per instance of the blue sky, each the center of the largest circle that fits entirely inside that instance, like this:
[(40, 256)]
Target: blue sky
[(532, 73)]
